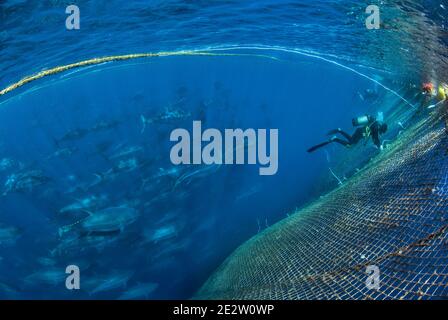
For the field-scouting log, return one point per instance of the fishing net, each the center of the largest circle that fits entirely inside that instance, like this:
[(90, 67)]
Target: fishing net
[(393, 214)]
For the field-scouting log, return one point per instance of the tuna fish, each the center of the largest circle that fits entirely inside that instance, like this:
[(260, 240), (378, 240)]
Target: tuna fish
[(8, 163), (170, 115), (197, 172), (76, 244), (86, 204), (46, 262), (161, 233), (25, 181), (8, 235), (49, 276), (8, 292), (114, 281), (106, 220), (127, 151), (140, 291), (62, 152)]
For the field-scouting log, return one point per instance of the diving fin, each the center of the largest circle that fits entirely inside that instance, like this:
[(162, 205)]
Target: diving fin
[(316, 147)]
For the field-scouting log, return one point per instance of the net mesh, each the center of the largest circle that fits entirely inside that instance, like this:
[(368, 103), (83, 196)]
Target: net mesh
[(393, 214)]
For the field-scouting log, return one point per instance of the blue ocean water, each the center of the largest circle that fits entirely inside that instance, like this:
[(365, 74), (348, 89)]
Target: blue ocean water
[(76, 141)]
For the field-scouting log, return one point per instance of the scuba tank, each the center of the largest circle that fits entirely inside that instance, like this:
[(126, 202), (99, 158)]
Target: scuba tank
[(367, 120), (361, 121)]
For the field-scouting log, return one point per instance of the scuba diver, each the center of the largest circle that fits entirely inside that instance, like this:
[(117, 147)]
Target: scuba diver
[(438, 97), (368, 126), (430, 93), (368, 94)]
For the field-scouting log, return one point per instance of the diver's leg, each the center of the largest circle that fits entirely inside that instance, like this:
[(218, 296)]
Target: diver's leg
[(342, 132), (334, 131), (341, 141), (333, 139), (356, 137), (346, 135)]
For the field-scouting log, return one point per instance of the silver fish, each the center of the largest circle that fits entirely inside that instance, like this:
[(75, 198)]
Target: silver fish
[(126, 152), (196, 173), (9, 235), (51, 276), (88, 203), (114, 281), (142, 290), (25, 181), (106, 220)]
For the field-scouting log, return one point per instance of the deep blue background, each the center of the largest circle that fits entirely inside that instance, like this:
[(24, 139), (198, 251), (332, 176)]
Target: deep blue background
[(301, 96)]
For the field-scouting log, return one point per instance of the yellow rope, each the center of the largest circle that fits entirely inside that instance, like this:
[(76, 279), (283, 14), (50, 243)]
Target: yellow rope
[(95, 61)]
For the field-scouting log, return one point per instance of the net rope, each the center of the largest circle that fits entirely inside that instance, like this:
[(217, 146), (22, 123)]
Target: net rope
[(116, 58)]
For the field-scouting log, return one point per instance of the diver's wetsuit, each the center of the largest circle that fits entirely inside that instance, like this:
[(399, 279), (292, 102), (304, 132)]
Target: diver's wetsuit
[(371, 130)]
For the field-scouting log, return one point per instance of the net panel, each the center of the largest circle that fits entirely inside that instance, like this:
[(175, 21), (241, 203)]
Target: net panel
[(393, 215)]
